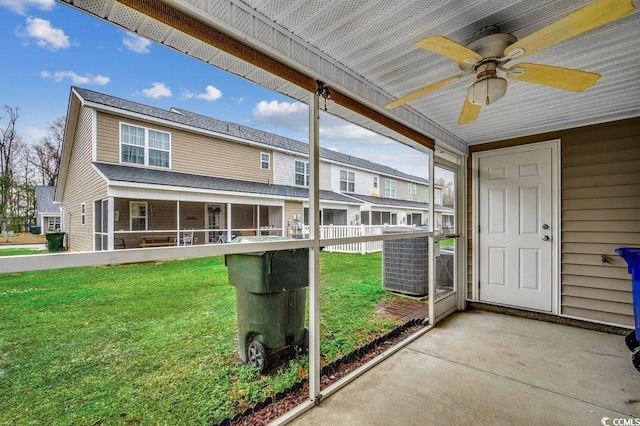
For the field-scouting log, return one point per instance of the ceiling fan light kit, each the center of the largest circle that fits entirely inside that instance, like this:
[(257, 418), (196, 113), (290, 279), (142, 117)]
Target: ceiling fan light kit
[(488, 88), (491, 50)]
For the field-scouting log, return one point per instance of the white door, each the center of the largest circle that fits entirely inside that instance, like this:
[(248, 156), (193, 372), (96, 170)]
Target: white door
[(516, 244)]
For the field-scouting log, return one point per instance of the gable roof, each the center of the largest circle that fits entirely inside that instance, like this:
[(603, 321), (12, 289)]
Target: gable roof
[(120, 173), (236, 130), (393, 202), (44, 200)]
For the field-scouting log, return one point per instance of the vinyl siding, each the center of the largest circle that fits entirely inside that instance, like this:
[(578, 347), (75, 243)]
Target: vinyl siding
[(83, 185), (600, 198), (292, 208), (190, 152)]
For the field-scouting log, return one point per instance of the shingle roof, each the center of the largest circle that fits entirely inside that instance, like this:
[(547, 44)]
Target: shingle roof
[(119, 173), (192, 119), (44, 199), (381, 201)]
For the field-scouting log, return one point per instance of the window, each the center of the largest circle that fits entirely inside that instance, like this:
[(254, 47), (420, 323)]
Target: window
[(415, 189), (265, 161), (146, 147), (409, 188), (158, 149), (302, 173), (83, 214), (53, 223), (138, 215), (390, 188), (438, 196), (375, 181), (347, 181)]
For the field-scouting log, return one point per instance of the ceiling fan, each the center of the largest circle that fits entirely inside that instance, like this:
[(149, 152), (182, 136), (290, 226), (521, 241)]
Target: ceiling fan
[(491, 50)]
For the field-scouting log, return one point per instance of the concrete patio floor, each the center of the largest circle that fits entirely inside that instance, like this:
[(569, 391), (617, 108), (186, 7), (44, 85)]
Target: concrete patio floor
[(480, 367)]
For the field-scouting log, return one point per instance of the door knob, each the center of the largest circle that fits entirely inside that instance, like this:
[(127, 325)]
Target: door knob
[(545, 238), (545, 226)]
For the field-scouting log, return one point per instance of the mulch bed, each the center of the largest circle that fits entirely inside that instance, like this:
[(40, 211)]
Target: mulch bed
[(276, 405)]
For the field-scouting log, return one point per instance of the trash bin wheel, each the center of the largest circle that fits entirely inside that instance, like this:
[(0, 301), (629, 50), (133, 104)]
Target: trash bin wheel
[(635, 359), (631, 341), (303, 347), (257, 355)]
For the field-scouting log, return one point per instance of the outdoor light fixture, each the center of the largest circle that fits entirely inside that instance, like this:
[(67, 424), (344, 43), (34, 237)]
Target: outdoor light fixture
[(488, 88)]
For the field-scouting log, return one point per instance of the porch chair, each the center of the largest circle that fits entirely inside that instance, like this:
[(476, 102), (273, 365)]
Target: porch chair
[(187, 238)]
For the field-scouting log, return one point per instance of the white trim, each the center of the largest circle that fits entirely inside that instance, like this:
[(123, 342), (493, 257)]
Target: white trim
[(556, 195), (110, 222), (146, 215), (94, 135), (146, 146), (395, 189), (83, 214), (268, 154), (305, 174)]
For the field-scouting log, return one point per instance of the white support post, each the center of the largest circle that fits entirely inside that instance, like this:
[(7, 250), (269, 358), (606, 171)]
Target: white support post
[(110, 223), (178, 222), (314, 250), (228, 222), (257, 219), (432, 257)]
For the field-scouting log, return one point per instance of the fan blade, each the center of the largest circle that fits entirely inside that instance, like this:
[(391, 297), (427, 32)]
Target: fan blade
[(469, 113), (589, 17), (452, 50), (421, 92), (560, 78)]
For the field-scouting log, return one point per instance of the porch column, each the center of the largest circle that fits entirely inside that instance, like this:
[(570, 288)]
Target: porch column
[(432, 257), (314, 249), (178, 222), (228, 222), (110, 222), (257, 219)]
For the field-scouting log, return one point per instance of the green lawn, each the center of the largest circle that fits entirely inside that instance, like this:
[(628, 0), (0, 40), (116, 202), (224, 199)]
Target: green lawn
[(155, 343), (19, 251)]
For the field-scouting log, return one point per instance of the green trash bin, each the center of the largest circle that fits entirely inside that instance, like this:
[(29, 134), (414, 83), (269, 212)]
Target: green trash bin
[(55, 241), (271, 294)]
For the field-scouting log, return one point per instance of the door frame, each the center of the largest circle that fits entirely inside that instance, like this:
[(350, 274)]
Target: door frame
[(455, 301), (555, 145)]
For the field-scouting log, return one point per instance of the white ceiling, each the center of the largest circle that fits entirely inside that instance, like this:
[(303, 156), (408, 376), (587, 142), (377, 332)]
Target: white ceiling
[(364, 48)]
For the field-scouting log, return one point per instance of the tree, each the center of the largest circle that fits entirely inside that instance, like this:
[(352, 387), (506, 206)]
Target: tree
[(447, 191), (48, 151), (10, 146)]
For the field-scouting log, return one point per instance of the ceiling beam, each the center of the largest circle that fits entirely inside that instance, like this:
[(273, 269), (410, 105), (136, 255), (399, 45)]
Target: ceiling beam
[(207, 34)]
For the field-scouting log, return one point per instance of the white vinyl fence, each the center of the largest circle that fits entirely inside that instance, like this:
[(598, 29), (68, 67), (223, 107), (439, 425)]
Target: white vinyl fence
[(345, 231)]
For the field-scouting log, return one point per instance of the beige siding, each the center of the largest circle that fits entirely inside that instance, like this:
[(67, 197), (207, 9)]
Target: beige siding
[(83, 185), (600, 192), (190, 152), (292, 208)]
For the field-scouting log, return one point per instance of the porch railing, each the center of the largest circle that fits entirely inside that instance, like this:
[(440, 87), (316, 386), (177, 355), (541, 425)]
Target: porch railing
[(345, 231)]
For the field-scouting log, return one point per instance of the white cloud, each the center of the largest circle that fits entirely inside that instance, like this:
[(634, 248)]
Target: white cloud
[(34, 134), (292, 116), (211, 94), (157, 90), (187, 94), (136, 43), (76, 79), (44, 34), (20, 6)]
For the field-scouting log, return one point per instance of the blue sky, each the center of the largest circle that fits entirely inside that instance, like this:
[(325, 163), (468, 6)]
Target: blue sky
[(48, 47)]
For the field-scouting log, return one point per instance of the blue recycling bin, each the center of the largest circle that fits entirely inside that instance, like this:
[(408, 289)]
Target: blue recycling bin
[(632, 256)]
